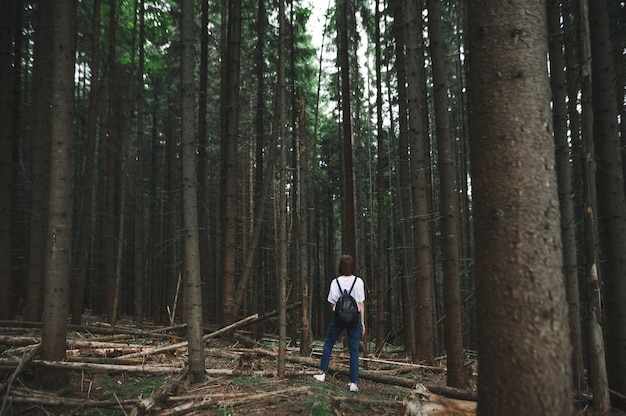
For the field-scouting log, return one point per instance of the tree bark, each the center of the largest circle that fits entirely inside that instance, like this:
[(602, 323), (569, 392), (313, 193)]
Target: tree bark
[(191, 264), (381, 223), (85, 230), (611, 197), (425, 330), (6, 160), (58, 249), (558, 85), (282, 194), (404, 193), (229, 162), (520, 293), (303, 217), (40, 120), (457, 375), (349, 239), (140, 226)]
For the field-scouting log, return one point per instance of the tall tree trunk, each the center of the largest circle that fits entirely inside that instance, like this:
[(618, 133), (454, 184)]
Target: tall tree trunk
[(419, 165), (6, 159), (457, 376), (140, 226), (303, 217), (349, 238), (259, 134), (381, 223), (404, 185), (282, 195), (612, 201), (564, 176), (229, 161), (40, 138), (117, 290), (190, 197), (520, 291), (111, 166), (203, 185), (59, 236), (85, 230)]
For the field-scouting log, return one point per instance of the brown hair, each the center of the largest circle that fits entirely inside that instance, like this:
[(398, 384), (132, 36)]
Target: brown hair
[(346, 265)]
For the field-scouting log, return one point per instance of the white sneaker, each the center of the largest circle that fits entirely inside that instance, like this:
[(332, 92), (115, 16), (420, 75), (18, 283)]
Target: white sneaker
[(354, 387), (320, 377)]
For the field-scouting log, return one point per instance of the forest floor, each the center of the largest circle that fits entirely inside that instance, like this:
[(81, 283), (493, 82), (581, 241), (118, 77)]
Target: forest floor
[(126, 371)]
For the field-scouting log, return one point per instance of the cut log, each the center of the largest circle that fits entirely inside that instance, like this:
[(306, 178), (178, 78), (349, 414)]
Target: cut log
[(91, 329), (146, 405), (139, 369), (17, 341), (35, 398), (183, 344), (422, 402)]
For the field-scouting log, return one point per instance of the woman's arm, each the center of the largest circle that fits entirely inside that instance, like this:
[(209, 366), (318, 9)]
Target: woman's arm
[(362, 310)]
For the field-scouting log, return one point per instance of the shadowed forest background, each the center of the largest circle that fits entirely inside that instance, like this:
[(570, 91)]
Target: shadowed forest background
[(200, 162)]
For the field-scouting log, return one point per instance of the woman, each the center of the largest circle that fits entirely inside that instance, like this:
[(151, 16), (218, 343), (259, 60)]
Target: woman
[(345, 280)]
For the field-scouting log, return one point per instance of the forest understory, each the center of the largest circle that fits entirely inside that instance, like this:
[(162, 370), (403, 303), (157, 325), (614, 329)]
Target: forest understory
[(124, 370)]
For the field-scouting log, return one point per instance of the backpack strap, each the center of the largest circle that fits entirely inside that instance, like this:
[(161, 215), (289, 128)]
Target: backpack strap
[(340, 289), (351, 287)]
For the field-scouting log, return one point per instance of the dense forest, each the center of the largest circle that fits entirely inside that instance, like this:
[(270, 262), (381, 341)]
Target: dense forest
[(199, 162)]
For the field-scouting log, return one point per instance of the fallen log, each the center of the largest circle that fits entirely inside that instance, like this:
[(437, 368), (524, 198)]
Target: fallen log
[(422, 402), (146, 405), (244, 399), (91, 329), (264, 396), (90, 344), (139, 369), (30, 397), (187, 408), (183, 344), (17, 341)]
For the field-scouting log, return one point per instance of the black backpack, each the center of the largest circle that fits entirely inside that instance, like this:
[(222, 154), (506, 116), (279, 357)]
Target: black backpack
[(346, 309)]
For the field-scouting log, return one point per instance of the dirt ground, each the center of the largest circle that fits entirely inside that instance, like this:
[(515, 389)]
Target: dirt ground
[(241, 379), (129, 375), (251, 389)]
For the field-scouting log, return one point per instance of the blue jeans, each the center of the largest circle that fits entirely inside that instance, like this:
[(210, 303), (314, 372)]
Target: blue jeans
[(354, 339)]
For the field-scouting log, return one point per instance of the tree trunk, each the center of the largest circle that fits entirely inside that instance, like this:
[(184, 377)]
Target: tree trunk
[(349, 238), (403, 184), (40, 124), (520, 293), (6, 160), (203, 183), (282, 196), (306, 338), (259, 133), (457, 375), (191, 265), (420, 170), (564, 178), (59, 236), (229, 161), (85, 230), (140, 226), (111, 166), (381, 223), (611, 198)]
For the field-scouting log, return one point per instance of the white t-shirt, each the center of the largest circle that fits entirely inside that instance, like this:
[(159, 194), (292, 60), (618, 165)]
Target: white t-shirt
[(358, 291)]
